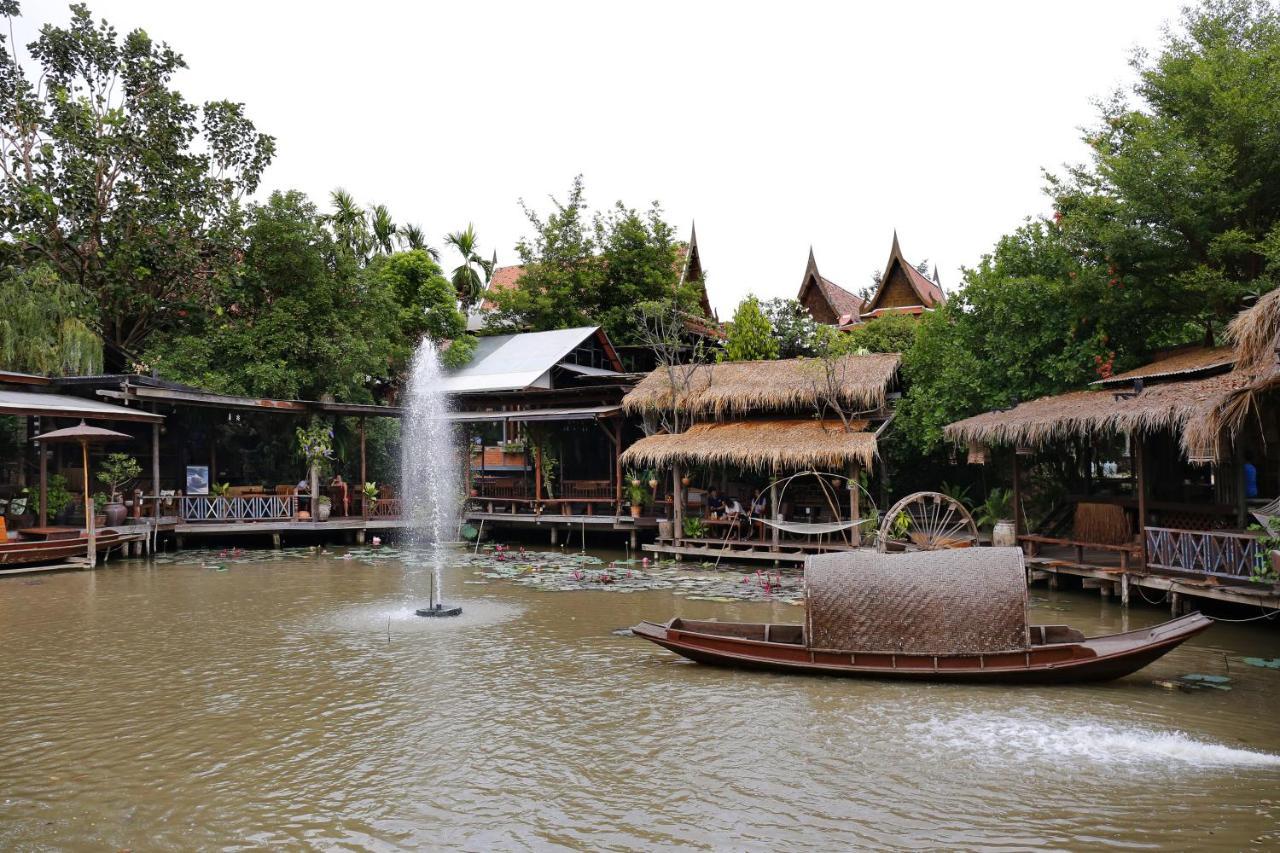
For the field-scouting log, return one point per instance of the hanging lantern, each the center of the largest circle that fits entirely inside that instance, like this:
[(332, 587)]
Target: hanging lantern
[(977, 453)]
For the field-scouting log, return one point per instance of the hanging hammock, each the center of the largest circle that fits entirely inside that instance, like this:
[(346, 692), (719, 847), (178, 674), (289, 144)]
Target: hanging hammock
[(1264, 514), (813, 528)]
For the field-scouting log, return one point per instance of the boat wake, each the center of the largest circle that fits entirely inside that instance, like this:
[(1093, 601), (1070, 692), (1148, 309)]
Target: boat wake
[(1021, 739)]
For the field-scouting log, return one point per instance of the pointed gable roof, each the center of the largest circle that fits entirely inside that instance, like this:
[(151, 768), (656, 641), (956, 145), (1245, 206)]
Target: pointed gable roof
[(927, 294), (691, 269), (826, 301)]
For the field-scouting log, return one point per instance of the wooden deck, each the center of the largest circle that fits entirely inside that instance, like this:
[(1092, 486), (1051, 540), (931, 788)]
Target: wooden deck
[(1104, 572)]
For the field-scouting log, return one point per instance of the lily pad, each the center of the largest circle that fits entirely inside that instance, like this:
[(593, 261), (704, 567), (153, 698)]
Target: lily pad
[(1269, 663)]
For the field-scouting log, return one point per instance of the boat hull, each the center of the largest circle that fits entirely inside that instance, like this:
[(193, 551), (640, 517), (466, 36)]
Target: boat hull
[(1093, 659), (24, 552)]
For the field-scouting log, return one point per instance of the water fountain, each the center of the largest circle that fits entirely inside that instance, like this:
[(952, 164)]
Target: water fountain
[(429, 469)]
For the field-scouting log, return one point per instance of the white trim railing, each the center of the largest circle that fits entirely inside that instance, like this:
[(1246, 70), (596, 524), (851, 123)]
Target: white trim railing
[(243, 508), (1222, 553)]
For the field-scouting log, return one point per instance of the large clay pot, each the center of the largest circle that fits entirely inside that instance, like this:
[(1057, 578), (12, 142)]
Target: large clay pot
[(636, 509), (322, 512), (115, 512), (1003, 536), (665, 529)]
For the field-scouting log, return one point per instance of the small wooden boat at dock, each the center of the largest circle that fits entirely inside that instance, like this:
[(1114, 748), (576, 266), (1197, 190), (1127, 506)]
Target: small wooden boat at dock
[(952, 615), (20, 552)]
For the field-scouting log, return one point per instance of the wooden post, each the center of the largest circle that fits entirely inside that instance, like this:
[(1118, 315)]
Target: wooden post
[(213, 454), (1139, 464), (314, 474), (1017, 493), (855, 511), (155, 467), (88, 507), (364, 473), (617, 466), (537, 477), (44, 482), (677, 505), (777, 510)]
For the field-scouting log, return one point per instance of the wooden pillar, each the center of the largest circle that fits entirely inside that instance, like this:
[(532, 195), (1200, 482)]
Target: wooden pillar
[(364, 473), (855, 510), (1017, 493), (155, 466), (1139, 449), (88, 507), (44, 482), (315, 492), (213, 454), (617, 466), (537, 476), (677, 505), (775, 509)]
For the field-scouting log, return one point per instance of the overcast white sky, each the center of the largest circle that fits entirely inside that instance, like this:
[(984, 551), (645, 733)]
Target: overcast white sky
[(775, 126)]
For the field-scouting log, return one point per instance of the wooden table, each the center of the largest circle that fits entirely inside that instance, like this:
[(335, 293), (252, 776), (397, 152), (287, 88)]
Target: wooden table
[(50, 533)]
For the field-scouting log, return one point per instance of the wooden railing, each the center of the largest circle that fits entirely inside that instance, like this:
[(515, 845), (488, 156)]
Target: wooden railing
[(244, 508), (384, 508), (1207, 552)]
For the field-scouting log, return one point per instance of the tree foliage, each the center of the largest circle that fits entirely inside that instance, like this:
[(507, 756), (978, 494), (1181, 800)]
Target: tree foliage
[(586, 269), (792, 327), (45, 324), (109, 176), (302, 319), (749, 334)]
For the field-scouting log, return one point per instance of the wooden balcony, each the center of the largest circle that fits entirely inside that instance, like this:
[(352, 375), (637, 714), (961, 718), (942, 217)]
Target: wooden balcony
[(1217, 553)]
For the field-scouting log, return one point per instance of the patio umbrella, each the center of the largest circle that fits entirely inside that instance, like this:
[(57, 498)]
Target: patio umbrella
[(85, 435)]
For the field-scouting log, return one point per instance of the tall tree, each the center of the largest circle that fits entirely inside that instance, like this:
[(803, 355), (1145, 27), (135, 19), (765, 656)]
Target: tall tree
[(750, 337), (350, 224), (383, 228), (472, 275), (793, 328), (583, 269), (44, 327), (111, 178)]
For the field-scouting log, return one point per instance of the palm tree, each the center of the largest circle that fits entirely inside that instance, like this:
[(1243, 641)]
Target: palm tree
[(350, 227), (384, 229), (413, 238), (467, 278)]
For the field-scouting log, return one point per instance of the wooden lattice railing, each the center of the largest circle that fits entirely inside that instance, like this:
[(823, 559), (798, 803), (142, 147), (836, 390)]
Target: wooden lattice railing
[(384, 508), (1208, 552), (244, 508)]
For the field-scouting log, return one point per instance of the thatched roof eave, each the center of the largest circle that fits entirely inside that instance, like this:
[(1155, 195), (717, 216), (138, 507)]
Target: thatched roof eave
[(762, 445)]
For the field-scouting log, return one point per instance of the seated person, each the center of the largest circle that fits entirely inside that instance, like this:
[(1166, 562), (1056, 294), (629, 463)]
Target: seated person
[(715, 503), (733, 508), (759, 504)]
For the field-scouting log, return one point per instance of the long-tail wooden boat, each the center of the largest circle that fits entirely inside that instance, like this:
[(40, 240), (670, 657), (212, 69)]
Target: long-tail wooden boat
[(31, 552), (956, 615)]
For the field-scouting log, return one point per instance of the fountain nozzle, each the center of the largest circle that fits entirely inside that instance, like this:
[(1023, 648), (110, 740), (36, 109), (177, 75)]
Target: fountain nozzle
[(440, 609)]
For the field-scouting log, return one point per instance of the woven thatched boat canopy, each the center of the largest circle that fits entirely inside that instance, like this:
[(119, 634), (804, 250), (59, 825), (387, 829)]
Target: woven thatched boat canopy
[(738, 387), (959, 601), (761, 445), (1172, 406)]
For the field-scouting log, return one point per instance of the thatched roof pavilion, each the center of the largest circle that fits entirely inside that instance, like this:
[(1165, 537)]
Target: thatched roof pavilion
[(765, 445), (736, 388)]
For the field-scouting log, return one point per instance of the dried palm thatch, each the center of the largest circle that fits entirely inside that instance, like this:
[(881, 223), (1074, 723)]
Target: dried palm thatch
[(1171, 406), (759, 445), (859, 382), (1185, 361), (1256, 333), (962, 601)]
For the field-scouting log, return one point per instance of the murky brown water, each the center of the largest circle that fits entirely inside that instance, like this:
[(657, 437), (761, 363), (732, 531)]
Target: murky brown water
[(185, 707)]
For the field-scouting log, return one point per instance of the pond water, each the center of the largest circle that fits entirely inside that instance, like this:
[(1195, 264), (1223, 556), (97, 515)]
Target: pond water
[(292, 699)]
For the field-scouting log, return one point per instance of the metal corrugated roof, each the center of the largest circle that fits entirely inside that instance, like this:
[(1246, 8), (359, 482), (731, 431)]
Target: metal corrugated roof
[(60, 406), (579, 414), (515, 362)]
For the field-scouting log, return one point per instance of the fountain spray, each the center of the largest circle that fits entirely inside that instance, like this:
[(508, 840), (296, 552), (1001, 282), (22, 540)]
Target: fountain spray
[(428, 474)]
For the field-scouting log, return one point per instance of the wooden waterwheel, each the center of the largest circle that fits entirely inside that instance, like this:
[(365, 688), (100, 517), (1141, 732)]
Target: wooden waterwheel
[(926, 521)]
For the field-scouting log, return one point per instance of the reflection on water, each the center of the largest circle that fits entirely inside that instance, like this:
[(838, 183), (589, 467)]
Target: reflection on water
[(294, 699)]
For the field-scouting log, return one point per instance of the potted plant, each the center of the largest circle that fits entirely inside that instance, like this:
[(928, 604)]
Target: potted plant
[(99, 510), (693, 527), (117, 471), (58, 498), (899, 530), (638, 495), (996, 513), (1266, 568), (684, 481), (653, 478), (370, 493), (324, 506), (633, 478)]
